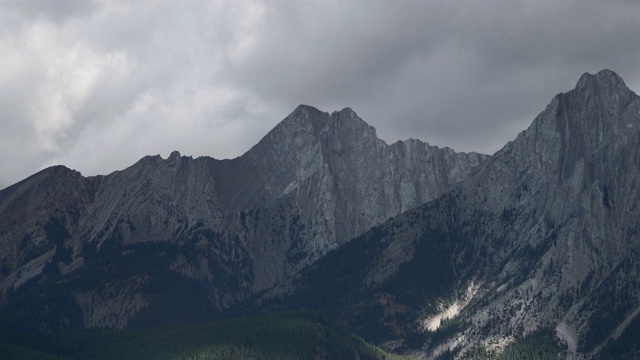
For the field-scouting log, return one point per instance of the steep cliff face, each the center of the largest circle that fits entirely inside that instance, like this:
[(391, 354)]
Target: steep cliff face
[(562, 203), (120, 244), (543, 234)]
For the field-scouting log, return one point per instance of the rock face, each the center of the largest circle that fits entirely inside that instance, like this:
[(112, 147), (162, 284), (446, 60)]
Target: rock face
[(543, 234), (168, 232), (567, 222)]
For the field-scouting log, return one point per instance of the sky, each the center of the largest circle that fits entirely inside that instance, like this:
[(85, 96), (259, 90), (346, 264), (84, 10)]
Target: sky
[(97, 85)]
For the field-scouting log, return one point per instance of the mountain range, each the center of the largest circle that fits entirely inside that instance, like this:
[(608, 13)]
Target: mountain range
[(419, 249)]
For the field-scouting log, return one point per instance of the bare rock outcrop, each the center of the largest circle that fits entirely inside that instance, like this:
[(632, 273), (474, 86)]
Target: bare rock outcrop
[(231, 227)]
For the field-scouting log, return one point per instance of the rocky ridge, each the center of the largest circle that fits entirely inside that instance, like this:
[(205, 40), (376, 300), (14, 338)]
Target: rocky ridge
[(542, 235), (235, 227)]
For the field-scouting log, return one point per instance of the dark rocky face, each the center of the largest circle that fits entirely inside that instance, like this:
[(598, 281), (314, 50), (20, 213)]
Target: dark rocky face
[(541, 235), (544, 234), (123, 243)]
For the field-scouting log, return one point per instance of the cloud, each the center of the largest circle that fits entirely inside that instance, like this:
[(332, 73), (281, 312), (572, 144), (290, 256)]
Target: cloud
[(96, 85), (57, 11), (455, 73)]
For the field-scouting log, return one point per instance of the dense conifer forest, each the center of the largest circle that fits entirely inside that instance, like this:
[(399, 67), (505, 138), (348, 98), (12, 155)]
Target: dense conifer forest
[(280, 336)]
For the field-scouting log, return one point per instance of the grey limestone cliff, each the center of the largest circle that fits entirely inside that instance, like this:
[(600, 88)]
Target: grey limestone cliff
[(235, 227), (563, 198), (544, 234)]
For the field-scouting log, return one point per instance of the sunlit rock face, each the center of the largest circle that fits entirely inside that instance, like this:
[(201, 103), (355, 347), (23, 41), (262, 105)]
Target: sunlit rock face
[(229, 228)]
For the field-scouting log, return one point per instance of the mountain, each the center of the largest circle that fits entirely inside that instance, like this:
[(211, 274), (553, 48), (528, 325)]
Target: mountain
[(531, 252), (543, 235), (180, 239)]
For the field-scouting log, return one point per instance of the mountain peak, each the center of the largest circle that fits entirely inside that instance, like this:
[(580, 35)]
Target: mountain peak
[(602, 79), (175, 155), (346, 112), (602, 99), (303, 109), (349, 119), (308, 118)]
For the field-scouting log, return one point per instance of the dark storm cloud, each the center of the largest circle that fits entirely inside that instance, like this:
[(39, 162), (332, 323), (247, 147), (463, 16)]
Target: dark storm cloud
[(456, 73), (52, 10), (95, 85)]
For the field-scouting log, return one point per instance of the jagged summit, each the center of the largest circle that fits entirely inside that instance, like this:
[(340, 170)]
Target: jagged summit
[(304, 109), (606, 85), (601, 110), (303, 120), (174, 154), (303, 112), (604, 77), (312, 121), (346, 112), (347, 118), (234, 227)]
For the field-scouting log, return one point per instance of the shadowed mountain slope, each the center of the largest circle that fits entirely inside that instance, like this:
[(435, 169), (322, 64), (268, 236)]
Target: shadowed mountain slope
[(119, 250), (544, 234)]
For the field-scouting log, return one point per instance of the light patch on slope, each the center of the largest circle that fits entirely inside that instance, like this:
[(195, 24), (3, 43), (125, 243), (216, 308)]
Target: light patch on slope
[(446, 313), (27, 271), (567, 333), (434, 322), (498, 344)]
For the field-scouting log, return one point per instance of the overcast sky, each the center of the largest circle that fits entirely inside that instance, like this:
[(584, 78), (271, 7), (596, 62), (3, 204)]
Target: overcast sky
[(96, 85)]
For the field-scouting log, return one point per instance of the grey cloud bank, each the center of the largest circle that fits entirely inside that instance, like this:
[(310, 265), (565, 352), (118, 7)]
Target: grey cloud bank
[(95, 85)]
